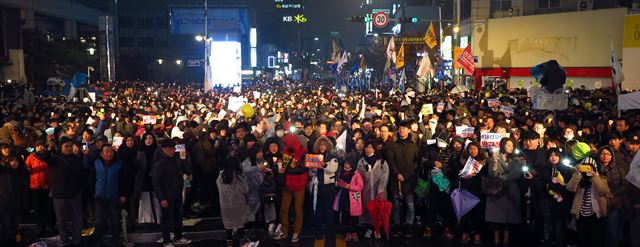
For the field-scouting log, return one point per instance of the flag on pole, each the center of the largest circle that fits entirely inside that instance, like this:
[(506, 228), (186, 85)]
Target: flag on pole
[(341, 142), (400, 59), (426, 69), (391, 50), (430, 37), (362, 108), (342, 61), (335, 54), (363, 62), (616, 70), (466, 61), (403, 80)]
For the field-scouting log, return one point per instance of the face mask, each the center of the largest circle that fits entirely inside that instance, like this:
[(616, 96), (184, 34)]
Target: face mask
[(568, 136), (279, 133)]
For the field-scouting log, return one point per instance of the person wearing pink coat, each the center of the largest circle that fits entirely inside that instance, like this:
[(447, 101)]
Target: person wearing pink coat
[(348, 201)]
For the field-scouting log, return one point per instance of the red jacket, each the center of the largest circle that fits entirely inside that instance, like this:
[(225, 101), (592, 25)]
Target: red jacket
[(39, 172)]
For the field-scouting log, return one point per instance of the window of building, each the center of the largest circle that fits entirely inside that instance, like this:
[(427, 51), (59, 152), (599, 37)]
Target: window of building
[(548, 4), (501, 5)]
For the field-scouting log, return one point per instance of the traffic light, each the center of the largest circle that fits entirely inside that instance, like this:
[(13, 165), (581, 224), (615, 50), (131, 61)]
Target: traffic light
[(357, 19), (408, 20)]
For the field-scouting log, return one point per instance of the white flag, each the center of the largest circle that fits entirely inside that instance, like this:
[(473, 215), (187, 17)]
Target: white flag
[(391, 50), (616, 70), (342, 61), (341, 142), (425, 69)]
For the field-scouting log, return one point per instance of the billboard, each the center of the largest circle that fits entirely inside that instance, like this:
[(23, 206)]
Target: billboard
[(185, 20), (225, 63)]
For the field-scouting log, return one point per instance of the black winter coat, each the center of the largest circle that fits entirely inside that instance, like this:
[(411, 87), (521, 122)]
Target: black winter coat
[(14, 188), (402, 156), (167, 175)]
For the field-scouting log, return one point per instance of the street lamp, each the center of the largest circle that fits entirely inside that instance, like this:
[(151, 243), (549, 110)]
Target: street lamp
[(199, 38), (456, 29), (316, 38), (160, 61), (91, 51), (178, 62)]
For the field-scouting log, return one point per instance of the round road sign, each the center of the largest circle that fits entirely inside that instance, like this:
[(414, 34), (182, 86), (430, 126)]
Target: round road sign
[(380, 19)]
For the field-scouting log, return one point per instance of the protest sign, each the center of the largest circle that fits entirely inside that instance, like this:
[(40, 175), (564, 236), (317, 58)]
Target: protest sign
[(471, 168), (427, 109), (493, 103), (314, 161), (235, 103), (117, 141), (465, 132), (508, 111), (149, 119), (256, 94), (490, 140)]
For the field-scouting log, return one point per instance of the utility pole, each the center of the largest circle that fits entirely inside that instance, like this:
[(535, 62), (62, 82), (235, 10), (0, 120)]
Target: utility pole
[(207, 83)]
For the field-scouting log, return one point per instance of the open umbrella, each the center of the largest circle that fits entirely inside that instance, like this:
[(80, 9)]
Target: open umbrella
[(380, 211), (463, 201)]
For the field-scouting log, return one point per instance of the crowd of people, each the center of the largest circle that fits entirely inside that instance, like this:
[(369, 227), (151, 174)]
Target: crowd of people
[(319, 156)]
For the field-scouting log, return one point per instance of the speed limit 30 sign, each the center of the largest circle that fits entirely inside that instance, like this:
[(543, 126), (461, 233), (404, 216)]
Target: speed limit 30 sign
[(380, 20)]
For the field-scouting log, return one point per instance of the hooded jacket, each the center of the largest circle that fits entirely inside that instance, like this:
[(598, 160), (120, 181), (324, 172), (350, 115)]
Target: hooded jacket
[(293, 161)]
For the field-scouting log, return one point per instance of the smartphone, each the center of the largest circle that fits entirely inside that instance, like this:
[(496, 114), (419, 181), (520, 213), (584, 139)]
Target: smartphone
[(525, 169), (85, 147)]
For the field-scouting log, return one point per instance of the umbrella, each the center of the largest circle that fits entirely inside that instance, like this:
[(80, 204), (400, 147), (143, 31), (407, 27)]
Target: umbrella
[(463, 201), (380, 211), (459, 89)]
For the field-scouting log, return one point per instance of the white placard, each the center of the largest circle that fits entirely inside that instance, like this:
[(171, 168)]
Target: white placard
[(235, 103), (490, 140), (493, 103), (465, 132), (149, 119), (508, 111), (117, 141)]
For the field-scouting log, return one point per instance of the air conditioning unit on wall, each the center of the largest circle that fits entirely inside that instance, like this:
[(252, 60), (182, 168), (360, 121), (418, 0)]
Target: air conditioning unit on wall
[(584, 5)]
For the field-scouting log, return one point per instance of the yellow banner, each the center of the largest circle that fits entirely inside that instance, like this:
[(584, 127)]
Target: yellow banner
[(456, 53), (430, 37), (400, 59), (631, 31)]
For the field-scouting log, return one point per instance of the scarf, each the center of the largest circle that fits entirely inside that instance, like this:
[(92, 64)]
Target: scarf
[(371, 161)]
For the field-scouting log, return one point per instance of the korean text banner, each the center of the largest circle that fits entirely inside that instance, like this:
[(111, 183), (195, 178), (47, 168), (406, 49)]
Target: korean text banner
[(191, 20)]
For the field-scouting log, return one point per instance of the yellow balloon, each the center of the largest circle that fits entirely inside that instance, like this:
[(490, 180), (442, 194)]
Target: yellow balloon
[(487, 94), (587, 106), (247, 110)]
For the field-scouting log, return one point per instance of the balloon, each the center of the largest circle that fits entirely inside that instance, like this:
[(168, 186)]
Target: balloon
[(487, 94), (570, 83), (247, 110), (520, 83), (587, 106)]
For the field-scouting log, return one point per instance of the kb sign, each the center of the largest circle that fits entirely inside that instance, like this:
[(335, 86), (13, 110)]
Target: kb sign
[(300, 18)]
